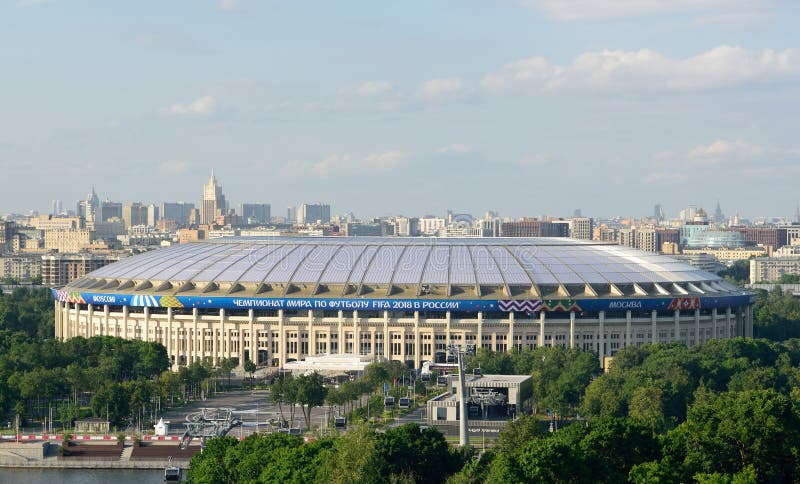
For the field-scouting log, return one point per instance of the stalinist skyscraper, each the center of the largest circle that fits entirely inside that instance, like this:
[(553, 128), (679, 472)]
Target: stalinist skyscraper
[(213, 202)]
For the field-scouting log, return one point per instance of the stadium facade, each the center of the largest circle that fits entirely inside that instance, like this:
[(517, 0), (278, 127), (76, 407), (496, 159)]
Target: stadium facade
[(279, 299)]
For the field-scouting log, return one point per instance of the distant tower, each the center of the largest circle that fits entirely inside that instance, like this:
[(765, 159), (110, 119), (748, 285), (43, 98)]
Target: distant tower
[(658, 212), (719, 217), (797, 214), (213, 202), (577, 213), (90, 207)]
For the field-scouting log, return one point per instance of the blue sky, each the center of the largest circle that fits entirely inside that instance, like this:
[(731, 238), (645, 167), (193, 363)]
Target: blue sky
[(525, 107)]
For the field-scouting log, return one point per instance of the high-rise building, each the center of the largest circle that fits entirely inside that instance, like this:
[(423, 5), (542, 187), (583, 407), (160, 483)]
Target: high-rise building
[(56, 208), (152, 215), (309, 213), (90, 207), (581, 228), (407, 227), (771, 269), (719, 217), (177, 211), (291, 215), (134, 214), (256, 213), (658, 212), (111, 210), (60, 269), (213, 202)]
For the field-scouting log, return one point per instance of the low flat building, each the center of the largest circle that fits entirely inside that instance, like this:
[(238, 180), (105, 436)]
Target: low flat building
[(492, 400), (730, 255)]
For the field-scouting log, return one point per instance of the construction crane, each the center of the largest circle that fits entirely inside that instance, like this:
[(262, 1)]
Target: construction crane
[(207, 423)]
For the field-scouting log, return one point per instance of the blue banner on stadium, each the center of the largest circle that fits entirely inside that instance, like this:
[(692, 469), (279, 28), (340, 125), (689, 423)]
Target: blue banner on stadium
[(424, 305)]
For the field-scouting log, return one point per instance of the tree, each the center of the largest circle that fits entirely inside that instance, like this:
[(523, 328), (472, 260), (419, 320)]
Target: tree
[(518, 432), (211, 465), (309, 393), (728, 432), (226, 365), (353, 459), (421, 453), (646, 406)]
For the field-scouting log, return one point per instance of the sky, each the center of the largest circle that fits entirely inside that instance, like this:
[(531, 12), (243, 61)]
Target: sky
[(524, 107)]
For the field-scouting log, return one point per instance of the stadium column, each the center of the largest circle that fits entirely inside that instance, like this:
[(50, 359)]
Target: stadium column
[(270, 355), (696, 327), (146, 332), (224, 348), (340, 348), (447, 327), (677, 317), (541, 329), (104, 327), (89, 321), (714, 323), (727, 329), (125, 322), (356, 334), (282, 339), (253, 348), (387, 345), (510, 340), (628, 318), (403, 354), (77, 308), (57, 319), (749, 323), (191, 337), (572, 329), (739, 322), (654, 326), (417, 345), (169, 337), (601, 342), (312, 340), (61, 319), (479, 337)]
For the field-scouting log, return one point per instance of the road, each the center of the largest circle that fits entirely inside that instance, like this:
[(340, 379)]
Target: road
[(253, 408)]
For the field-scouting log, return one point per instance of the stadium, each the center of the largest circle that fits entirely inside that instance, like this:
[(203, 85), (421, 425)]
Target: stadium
[(277, 300)]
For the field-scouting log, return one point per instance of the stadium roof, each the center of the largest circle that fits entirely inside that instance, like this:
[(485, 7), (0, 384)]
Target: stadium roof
[(374, 267)]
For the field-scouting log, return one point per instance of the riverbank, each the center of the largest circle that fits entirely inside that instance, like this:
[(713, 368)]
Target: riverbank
[(94, 455)]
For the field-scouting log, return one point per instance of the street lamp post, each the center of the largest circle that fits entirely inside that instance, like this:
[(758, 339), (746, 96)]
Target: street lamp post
[(459, 353)]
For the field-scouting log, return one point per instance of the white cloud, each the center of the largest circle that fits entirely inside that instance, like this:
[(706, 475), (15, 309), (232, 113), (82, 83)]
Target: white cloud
[(725, 150), (229, 5), (444, 89), (569, 10), (346, 165), (740, 158), (647, 70), (200, 107), (455, 148)]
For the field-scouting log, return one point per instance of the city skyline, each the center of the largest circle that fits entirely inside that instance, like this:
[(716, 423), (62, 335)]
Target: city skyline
[(611, 107)]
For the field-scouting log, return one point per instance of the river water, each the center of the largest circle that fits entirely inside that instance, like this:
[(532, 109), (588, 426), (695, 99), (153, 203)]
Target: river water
[(81, 476)]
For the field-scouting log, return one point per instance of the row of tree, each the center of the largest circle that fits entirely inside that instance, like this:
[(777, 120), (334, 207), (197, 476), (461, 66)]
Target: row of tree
[(407, 453), (727, 411)]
